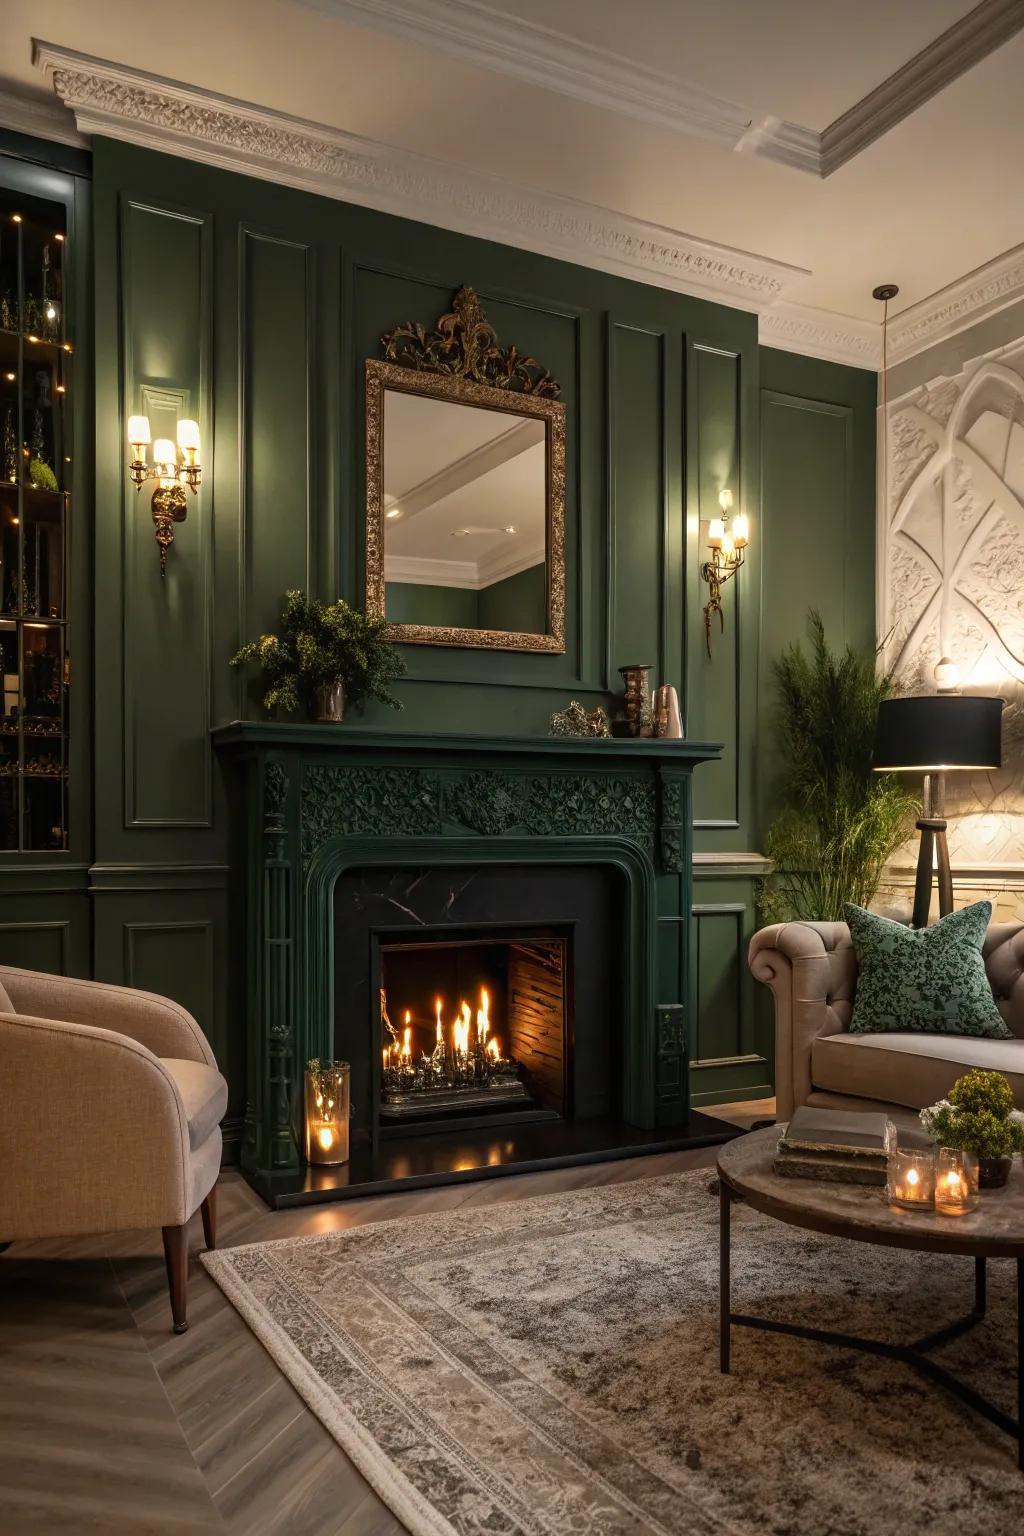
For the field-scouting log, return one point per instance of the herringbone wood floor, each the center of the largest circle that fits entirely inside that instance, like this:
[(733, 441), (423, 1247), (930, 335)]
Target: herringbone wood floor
[(111, 1423)]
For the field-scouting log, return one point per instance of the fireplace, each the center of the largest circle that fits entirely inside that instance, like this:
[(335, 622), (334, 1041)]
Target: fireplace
[(541, 888), (473, 1025), (478, 996)]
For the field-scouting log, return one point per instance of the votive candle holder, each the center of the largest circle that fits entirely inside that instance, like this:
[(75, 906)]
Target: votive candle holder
[(910, 1179), (956, 1182)]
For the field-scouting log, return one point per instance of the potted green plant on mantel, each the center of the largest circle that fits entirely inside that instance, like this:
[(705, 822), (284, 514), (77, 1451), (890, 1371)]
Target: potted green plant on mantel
[(324, 658), (979, 1117)]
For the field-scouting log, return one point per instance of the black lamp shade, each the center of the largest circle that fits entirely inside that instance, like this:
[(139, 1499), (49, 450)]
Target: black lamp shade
[(938, 732)]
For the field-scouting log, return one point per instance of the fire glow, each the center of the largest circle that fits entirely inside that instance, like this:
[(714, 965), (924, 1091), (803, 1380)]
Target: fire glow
[(466, 1054)]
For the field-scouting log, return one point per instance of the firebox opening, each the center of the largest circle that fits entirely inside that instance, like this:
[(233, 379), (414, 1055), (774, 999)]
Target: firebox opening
[(473, 1025)]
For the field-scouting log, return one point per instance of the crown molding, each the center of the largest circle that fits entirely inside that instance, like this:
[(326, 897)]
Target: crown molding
[(140, 108), (42, 117), (818, 333), (984, 29), (544, 57), (983, 292)]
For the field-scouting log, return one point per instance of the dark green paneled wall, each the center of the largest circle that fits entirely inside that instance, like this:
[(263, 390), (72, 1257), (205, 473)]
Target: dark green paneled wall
[(253, 307)]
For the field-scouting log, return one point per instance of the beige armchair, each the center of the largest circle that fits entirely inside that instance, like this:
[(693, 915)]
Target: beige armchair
[(811, 969), (110, 1110)]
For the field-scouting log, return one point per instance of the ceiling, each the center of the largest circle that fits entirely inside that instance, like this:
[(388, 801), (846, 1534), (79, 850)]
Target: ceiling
[(677, 113)]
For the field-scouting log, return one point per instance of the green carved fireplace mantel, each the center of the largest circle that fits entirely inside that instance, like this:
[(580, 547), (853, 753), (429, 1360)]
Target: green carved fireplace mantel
[(312, 801)]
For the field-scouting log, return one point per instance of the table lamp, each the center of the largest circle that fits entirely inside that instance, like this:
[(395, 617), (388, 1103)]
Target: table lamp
[(934, 735)]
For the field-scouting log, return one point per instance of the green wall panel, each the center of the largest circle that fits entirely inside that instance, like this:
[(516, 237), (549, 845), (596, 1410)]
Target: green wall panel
[(817, 495), (165, 255), (637, 447), (717, 679), (276, 360)]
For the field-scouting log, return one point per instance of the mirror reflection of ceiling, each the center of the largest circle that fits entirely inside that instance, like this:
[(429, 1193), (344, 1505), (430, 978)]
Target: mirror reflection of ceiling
[(464, 492)]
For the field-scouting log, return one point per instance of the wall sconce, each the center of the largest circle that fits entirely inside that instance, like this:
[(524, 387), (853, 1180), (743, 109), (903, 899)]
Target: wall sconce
[(173, 469), (726, 558)]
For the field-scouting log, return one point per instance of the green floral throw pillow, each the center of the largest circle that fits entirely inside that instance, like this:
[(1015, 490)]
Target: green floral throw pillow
[(928, 979)]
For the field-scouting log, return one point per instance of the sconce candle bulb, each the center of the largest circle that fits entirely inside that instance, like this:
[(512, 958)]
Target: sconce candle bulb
[(174, 467)]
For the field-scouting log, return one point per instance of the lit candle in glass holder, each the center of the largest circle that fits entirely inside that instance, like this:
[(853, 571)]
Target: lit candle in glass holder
[(910, 1179), (956, 1182)]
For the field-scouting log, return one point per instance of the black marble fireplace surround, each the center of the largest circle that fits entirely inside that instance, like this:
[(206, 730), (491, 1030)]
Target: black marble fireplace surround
[(580, 903), (348, 838)]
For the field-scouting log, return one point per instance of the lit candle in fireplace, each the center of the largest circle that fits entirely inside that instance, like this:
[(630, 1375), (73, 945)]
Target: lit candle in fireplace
[(407, 1036), (437, 1014)]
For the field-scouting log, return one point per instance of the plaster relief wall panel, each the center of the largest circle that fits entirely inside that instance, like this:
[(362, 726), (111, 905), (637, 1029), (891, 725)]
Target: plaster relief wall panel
[(951, 552)]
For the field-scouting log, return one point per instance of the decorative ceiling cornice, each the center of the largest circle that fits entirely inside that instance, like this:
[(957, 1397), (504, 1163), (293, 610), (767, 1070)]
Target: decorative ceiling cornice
[(987, 290), (526, 50), (817, 333), (118, 102)]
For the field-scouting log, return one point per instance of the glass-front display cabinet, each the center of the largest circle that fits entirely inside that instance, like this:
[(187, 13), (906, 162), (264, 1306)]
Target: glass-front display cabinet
[(35, 475)]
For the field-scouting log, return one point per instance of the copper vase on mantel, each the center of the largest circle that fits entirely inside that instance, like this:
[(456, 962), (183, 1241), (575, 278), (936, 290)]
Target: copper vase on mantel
[(330, 701)]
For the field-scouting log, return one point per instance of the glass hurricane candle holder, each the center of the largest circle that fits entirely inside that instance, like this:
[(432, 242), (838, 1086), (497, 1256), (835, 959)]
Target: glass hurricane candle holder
[(326, 1097), (910, 1179), (956, 1182)]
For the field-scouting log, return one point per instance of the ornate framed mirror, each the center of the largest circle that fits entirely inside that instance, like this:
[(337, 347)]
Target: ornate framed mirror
[(465, 488)]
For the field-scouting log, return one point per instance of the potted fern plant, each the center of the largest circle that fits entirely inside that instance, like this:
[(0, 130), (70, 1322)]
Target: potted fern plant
[(325, 656), (839, 820)]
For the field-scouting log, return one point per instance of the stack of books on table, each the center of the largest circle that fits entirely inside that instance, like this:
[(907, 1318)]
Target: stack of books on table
[(839, 1145)]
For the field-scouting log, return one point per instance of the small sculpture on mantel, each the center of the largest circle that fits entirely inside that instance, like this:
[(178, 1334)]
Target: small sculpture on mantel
[(574, 720)]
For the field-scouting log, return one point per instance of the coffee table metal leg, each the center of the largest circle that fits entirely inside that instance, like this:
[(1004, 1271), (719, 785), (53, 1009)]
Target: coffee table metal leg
[(724, 1286), (980, 1286), (1020, 1364)]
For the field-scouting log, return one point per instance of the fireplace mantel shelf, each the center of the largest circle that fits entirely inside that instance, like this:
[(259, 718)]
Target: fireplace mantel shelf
[(272, 734)]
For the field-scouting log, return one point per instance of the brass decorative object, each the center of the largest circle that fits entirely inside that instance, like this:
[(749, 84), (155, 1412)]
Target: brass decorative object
[(574, 720), (726, 559), (459, 361), (463, 344)]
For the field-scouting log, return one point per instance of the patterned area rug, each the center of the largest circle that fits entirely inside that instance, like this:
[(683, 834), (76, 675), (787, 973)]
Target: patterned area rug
[(549, 1367)]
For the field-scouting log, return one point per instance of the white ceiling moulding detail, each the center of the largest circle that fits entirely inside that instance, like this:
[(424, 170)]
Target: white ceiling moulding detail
[(470, 29), (952, 54), (41, 116), (987, 290), (112, 100), (817, 333)]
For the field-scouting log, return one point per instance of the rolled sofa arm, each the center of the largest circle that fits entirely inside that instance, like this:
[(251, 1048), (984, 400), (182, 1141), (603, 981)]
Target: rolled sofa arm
[(163, 1026), (93, 1132), (811, 969)]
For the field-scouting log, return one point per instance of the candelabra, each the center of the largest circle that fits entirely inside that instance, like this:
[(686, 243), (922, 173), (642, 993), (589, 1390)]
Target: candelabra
[(726, 559), (174, 469)]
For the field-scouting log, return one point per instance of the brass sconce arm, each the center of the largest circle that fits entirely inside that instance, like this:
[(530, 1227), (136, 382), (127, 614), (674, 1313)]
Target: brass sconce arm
[(726, 559), (175, 468)]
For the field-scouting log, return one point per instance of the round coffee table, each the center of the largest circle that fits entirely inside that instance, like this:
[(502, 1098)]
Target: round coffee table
[(861, 1214)]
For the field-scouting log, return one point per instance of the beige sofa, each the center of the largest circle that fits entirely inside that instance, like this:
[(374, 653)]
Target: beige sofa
[(110, 1110), (811, 969)]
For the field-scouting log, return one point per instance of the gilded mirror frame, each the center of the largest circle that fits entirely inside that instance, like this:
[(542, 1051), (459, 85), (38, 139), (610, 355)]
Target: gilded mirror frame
[(449, 364)]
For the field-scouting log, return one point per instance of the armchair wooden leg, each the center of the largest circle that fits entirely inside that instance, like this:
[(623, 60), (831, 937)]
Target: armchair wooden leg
[(209, 1210), (176, 1258)]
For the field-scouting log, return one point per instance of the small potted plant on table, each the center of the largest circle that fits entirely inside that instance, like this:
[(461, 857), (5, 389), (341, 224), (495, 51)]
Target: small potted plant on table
[(979, 1117), (326, 656)]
